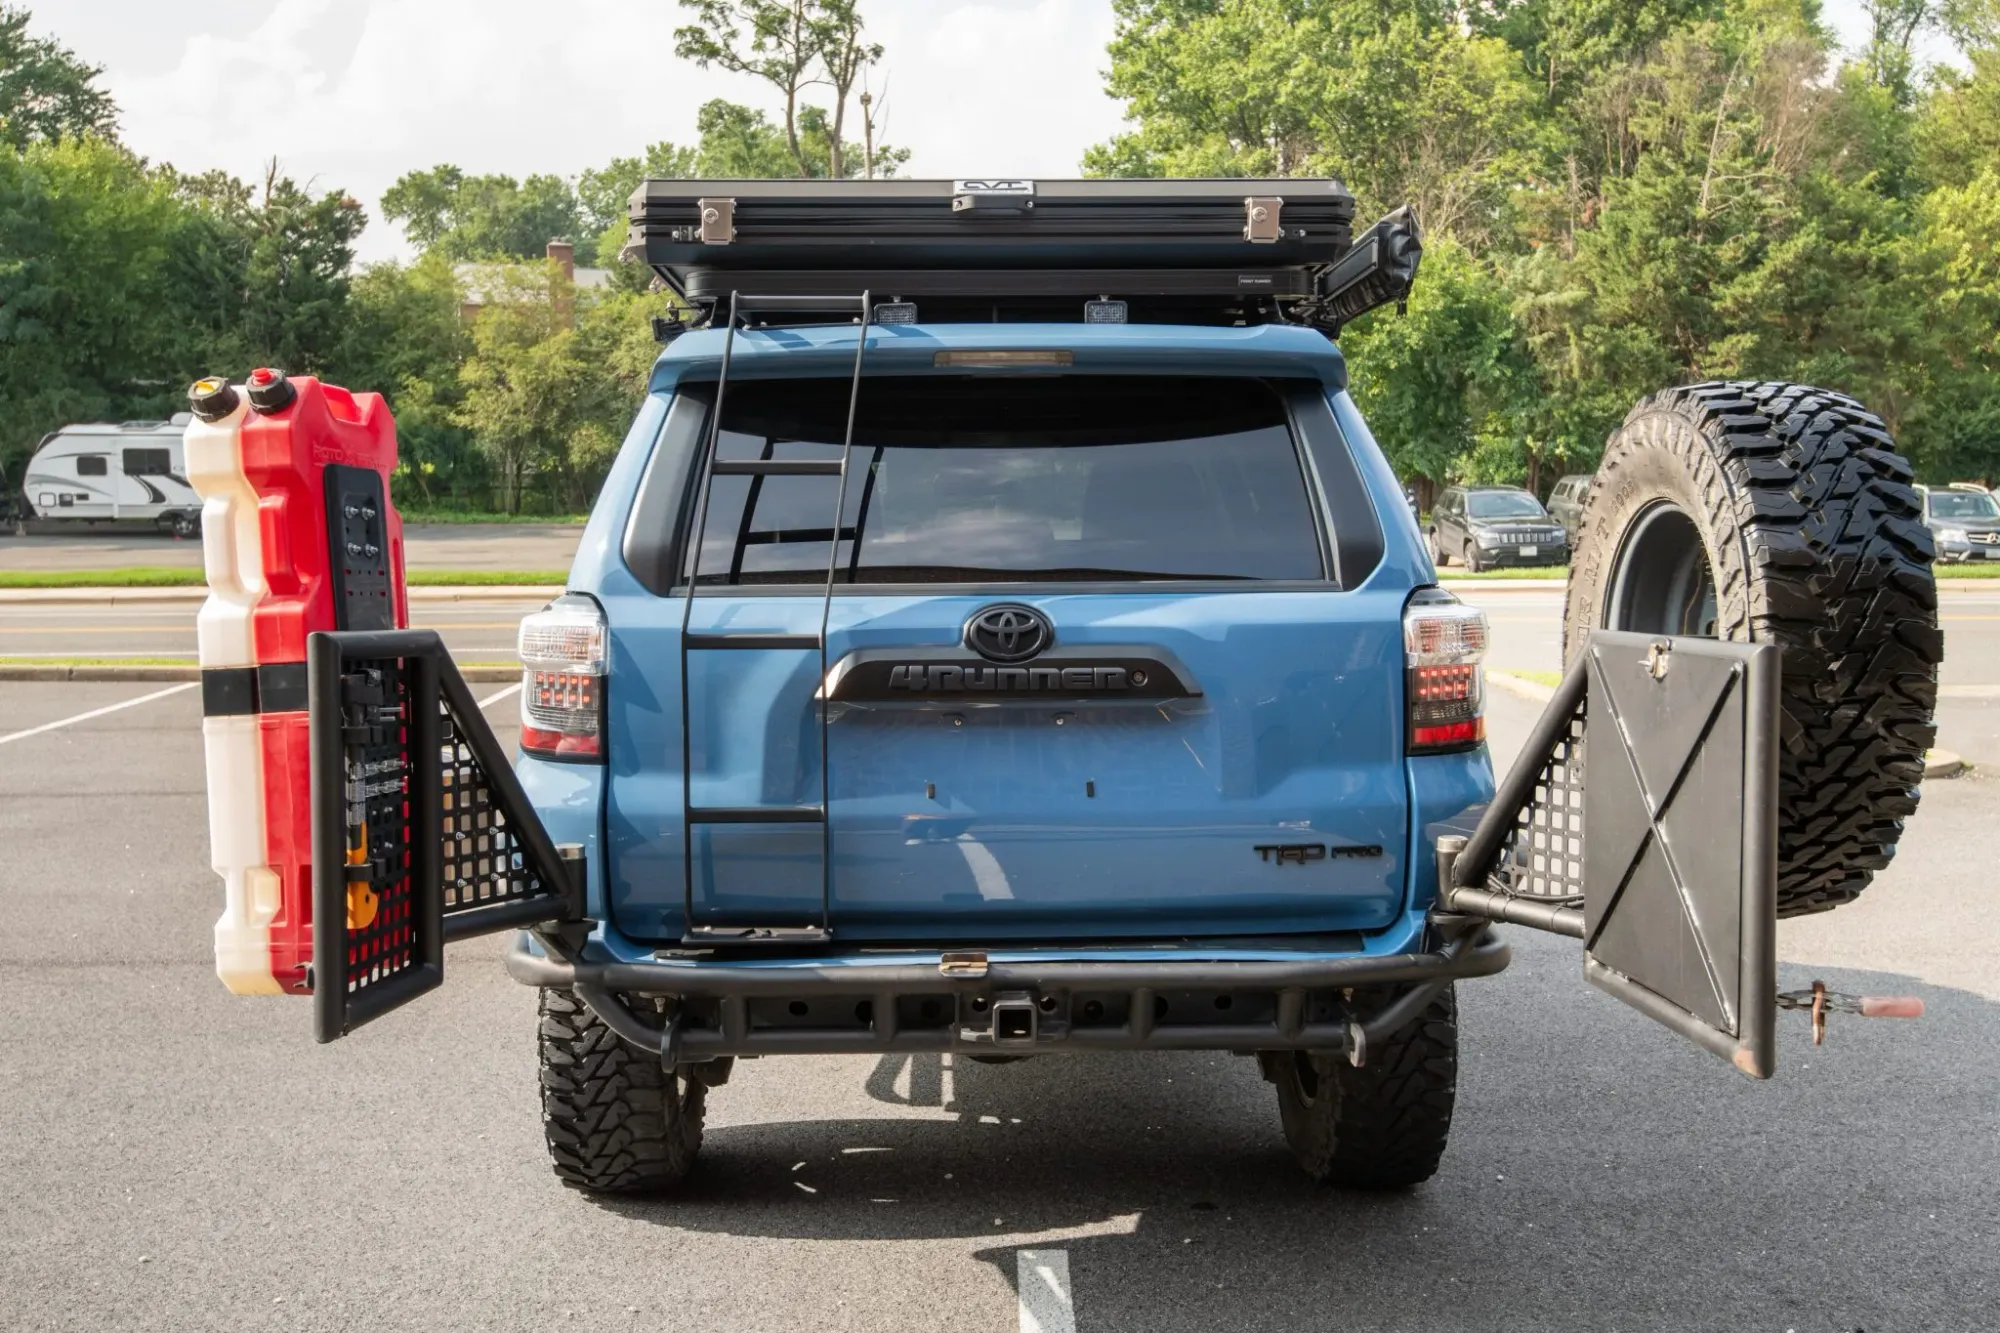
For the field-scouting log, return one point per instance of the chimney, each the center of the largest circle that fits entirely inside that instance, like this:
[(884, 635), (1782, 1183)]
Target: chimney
[(564, 254)]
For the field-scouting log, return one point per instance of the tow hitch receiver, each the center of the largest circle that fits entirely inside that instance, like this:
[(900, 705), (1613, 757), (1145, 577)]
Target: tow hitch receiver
[(1664, 863), (420, 831)]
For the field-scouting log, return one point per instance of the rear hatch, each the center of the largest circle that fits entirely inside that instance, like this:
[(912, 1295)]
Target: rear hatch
[(1087, 673)]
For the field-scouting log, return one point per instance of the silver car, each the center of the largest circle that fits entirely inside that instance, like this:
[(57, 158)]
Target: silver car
[(1965, 521)]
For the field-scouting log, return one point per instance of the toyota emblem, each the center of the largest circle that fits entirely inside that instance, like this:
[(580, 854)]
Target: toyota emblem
[(1009, 633)]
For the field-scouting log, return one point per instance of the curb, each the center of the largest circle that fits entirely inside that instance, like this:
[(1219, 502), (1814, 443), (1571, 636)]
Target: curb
[(1944, 764), (56, 671), (1521, 685), (197, 592)]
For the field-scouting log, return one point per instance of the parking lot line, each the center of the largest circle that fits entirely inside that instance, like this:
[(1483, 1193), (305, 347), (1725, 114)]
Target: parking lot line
[(97, 712), (498, 695), (1043, 1281)]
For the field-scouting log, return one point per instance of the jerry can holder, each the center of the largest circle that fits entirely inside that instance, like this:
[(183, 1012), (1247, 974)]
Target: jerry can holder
[(421, 833), (1663, 863)]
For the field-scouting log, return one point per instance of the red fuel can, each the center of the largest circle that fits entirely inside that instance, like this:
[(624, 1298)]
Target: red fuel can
[(329, 555)]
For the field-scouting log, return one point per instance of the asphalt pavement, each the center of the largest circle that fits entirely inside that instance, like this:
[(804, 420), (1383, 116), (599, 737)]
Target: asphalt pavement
[(477, 629), (178, 1158), (475, 546)]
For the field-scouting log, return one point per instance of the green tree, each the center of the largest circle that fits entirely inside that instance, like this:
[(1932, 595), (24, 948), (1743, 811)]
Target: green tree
[(1400, 103), (297, 276), (406, 336), (45, 91), (86, 239), (552, 380), (777, 41), (482, 217), (1448, 379), (791, 45)]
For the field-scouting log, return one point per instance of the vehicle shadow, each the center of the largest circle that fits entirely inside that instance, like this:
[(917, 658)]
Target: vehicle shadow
[(1602, 1174)]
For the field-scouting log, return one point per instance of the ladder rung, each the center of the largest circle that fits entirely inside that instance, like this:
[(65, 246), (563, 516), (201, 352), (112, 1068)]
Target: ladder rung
[(747, 304), (785, 536), (778, 467), (757, 814), (752, 641)]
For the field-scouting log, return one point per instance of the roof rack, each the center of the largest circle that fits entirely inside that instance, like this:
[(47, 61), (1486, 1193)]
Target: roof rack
[(1006, 250)]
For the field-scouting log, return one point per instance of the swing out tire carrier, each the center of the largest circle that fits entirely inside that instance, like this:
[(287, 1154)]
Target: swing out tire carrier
[(1000, 635)]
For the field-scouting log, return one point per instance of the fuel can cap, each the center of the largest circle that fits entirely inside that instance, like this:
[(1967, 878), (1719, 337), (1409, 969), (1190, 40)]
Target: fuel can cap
[(270, 391), (212, 398)]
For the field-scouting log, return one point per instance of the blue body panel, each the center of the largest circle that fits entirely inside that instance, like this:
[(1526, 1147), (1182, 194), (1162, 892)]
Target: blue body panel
[(1127, 821)]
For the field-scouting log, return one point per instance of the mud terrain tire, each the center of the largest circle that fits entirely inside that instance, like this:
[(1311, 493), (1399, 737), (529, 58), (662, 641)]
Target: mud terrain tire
[(1380, 1127), (615, 1120), (1813, 538)]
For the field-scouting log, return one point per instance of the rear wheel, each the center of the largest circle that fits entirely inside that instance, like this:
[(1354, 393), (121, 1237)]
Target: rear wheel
[(1780, 513), (1384, 1125), (1438, 556), (186, 525), (615, 1120)]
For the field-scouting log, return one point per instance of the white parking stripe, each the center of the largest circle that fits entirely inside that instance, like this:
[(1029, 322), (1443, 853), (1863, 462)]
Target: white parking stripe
[(495, 698), (97, 712), (1044, 1286)]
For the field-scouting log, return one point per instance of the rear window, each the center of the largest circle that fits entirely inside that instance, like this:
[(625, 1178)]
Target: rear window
[(1504, 504), (964, 479)]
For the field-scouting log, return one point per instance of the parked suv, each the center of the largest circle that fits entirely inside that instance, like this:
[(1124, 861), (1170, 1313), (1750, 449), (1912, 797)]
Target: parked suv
[(1566, 503), (1488, 527), (1964, 521), (1004, 668)]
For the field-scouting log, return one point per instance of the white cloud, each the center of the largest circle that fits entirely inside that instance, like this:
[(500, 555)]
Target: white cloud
[(352, 93)]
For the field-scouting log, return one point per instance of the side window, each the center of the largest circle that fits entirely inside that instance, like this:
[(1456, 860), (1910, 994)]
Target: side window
[(92, 465), (149, 462)]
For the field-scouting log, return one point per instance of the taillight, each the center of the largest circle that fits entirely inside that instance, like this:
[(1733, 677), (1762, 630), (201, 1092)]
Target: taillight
[(562, 681), (1444, 642)]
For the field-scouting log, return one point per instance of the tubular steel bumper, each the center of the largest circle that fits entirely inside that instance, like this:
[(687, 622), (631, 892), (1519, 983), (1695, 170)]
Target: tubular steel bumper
[(720, 1008)]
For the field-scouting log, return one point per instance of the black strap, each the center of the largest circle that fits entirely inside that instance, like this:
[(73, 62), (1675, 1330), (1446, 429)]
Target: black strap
[(240, 691)]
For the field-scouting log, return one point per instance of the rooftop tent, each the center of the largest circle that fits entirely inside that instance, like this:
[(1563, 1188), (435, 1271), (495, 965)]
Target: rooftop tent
[(1180, 251)]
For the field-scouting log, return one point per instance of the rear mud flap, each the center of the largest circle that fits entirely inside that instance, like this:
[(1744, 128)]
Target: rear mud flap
[(1664, 861), (420, 831)]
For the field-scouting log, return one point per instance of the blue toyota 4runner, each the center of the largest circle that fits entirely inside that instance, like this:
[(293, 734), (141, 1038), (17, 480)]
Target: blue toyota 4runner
[(999, 634)]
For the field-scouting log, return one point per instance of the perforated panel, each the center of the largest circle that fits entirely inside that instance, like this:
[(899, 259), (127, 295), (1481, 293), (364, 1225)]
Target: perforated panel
[(481, 858), (421, 834), (1543, 857)]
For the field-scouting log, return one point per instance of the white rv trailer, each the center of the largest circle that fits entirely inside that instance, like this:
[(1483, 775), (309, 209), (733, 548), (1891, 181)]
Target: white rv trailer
[(114, 473)]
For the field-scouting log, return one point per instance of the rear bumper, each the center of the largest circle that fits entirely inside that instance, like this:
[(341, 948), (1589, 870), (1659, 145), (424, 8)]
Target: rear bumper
[(726, 1008)]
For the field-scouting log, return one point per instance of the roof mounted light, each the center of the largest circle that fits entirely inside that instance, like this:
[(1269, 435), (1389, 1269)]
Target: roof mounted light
[(895, 312), (1002, 359), (1104, 310)]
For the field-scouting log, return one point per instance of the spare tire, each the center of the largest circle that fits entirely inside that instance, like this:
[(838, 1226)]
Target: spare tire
[(1780, 513)]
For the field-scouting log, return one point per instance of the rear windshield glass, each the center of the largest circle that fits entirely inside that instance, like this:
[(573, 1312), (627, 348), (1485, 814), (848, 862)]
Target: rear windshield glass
[(1964, 504), (1503, 504), (965, 478)]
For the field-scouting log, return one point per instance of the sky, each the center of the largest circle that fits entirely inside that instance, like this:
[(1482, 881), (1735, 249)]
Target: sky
[(350, 94)]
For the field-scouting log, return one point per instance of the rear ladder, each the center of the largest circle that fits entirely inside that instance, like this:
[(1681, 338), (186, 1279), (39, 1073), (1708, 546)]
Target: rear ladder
[(694, 816)]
